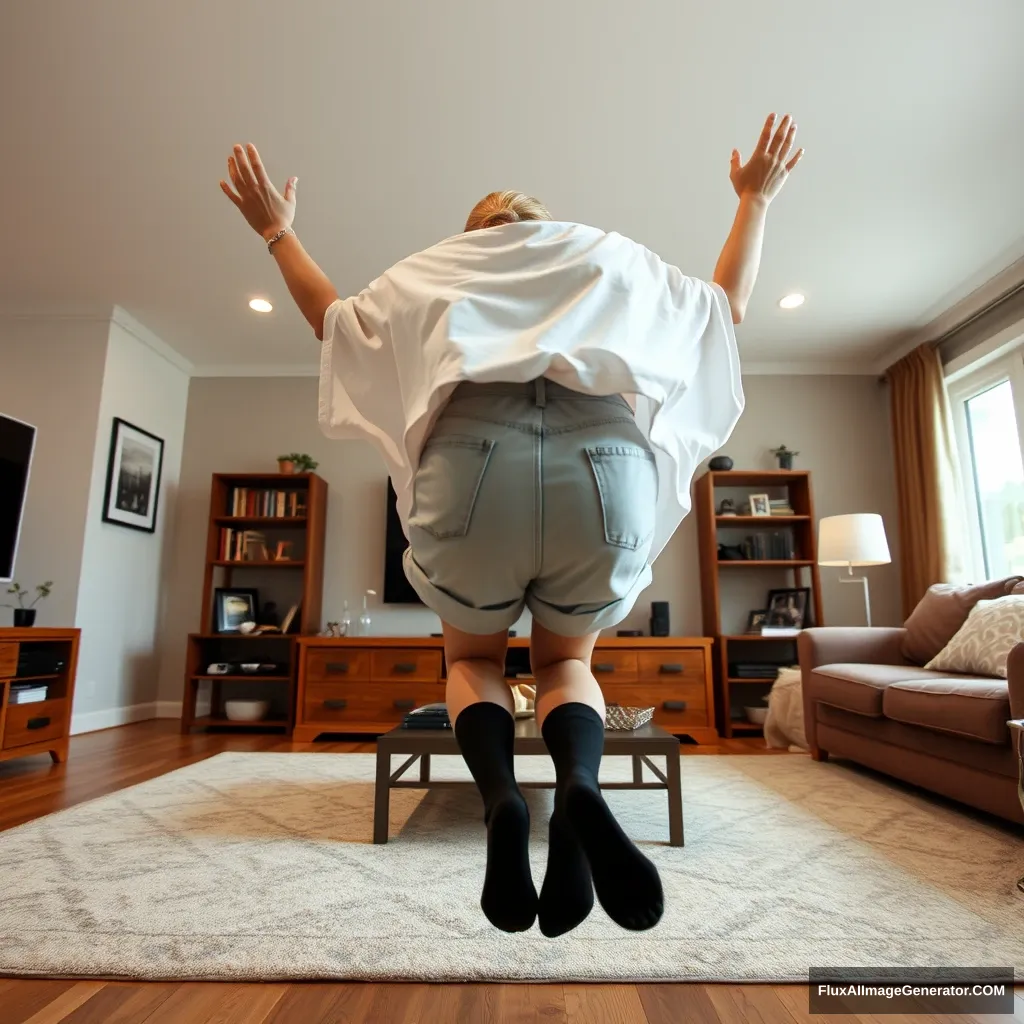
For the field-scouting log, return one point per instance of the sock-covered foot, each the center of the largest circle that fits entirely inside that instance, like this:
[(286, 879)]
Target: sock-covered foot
[(486, 733), (509, 899), (626, 882), (567, 895)]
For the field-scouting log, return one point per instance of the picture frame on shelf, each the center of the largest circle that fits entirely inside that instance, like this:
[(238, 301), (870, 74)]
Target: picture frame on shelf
[(760, 505), (232, 606), (290, 623), (756, 619), (134, 466), (788, 607)]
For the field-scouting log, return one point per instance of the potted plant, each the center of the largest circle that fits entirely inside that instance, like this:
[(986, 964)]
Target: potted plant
[(25, 614), (296, 463), (785, 456)]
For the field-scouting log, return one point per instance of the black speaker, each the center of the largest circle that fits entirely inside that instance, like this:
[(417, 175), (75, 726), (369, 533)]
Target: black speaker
[(659, 618)]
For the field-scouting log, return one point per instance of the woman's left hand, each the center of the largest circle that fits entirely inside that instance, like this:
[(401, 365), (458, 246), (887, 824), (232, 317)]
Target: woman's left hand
[(265, 209)]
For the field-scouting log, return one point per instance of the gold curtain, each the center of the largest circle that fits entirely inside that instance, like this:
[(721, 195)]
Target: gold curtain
[(928, 487)]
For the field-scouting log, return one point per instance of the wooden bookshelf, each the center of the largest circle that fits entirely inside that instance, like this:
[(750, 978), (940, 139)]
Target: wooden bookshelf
[(239, 503), (719, 574)]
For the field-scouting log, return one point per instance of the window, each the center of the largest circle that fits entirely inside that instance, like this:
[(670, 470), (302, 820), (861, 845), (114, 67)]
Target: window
[(988, 410)]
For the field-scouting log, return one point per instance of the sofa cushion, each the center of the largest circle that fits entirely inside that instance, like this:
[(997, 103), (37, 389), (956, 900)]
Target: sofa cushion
[(983, 643), (975, 708), (859, 688), (942, 611)]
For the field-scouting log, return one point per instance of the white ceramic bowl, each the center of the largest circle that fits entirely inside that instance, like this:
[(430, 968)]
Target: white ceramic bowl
[(250, 666), (756, 715), (246, 710)]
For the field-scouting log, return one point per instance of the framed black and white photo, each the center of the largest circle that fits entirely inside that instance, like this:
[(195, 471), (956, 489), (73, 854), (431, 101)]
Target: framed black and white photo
[(133, 477), (756, 620), (760, 505), (232, 606), (789, 607)]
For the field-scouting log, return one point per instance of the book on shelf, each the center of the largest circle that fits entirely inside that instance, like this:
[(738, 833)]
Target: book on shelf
[(754, 670), (268, 504), (27, 693), (770, 547), (779, 631), (251, 546)]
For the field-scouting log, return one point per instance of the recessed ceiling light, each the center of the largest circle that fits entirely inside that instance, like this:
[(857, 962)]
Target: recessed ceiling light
[(791, 301), (260, 305)]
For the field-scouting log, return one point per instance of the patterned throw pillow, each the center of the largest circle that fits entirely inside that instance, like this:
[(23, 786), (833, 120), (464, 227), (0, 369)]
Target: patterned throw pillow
[(982, 644)]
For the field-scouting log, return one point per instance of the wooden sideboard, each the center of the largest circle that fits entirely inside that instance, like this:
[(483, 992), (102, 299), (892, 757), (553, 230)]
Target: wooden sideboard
[(367, 684), (43, 727)]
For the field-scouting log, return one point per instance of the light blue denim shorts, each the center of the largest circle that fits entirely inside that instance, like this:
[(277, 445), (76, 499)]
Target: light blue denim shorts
[(532, 495)]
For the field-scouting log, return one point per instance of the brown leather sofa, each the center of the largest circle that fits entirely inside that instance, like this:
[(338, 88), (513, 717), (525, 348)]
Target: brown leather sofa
[(867, 699)]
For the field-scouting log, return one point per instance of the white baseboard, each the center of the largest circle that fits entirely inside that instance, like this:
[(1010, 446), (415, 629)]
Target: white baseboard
[(92, 721)]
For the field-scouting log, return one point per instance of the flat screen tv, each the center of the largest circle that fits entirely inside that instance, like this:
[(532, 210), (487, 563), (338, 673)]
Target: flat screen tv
[(17, 443), (397, 588)]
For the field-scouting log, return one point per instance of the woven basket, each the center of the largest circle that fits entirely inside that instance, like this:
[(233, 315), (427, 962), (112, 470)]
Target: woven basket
[(619, 718)]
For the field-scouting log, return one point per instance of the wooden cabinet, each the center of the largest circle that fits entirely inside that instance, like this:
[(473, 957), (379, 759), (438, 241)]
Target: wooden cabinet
[(46, 658), (367, 684)]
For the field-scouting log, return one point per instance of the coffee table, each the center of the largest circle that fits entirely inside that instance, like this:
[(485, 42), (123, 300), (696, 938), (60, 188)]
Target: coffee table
[(419, 744)]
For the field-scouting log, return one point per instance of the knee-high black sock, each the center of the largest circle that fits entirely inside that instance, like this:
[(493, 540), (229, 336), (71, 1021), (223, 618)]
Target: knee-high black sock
[(627, 883), (485, 733)]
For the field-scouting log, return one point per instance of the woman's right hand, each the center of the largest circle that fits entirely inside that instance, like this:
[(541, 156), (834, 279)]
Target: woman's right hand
[(264, 208), (764, 174)]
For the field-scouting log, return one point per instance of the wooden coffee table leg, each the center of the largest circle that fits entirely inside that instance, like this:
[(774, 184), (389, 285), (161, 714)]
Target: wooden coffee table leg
[(382, 796), (424, 767), (638, 769), (675, 798)]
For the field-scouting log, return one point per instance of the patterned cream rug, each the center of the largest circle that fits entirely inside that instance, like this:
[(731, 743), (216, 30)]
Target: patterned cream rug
[(260, 866)]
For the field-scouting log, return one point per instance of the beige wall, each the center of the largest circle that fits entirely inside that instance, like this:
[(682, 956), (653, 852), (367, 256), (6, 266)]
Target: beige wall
[(838, 424), (51, 375), (122, 581)]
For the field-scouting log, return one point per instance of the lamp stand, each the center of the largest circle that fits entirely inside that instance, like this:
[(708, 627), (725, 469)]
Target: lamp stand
[(859, 579)]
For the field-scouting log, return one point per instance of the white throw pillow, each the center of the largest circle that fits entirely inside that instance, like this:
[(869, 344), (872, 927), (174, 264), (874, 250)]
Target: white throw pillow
[(983, 643)]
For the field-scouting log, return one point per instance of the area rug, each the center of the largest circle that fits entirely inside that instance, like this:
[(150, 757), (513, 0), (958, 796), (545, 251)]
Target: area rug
[(261, 866)]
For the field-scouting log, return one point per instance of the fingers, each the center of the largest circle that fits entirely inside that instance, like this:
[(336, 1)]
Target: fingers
[(796, 159), (780, 137), (257, 166), (230, 193), (235, 175), (766, 134), (289, 189), (244, 169), (787, 142)]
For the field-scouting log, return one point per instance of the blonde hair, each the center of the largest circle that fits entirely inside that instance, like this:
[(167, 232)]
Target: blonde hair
[(505, 208)]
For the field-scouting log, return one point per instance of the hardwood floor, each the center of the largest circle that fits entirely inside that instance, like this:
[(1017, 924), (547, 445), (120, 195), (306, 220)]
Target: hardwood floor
[(107, 761)]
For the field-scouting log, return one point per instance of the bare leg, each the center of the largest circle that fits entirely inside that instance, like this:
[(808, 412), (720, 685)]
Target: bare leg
[(481, 710), (587, 848)]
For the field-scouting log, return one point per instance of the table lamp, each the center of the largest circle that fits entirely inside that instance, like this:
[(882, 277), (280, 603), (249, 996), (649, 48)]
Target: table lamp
[(853, 540)]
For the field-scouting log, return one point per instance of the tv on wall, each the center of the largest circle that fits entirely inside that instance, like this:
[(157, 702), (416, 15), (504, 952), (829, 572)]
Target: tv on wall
[(17, 443), (397, 588)]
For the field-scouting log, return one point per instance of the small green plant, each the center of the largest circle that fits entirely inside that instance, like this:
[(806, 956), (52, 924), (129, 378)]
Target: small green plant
[(301, 463), (22, 594)]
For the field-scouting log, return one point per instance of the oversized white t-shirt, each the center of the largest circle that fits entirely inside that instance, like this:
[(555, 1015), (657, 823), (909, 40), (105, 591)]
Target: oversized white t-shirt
[(591, 310)]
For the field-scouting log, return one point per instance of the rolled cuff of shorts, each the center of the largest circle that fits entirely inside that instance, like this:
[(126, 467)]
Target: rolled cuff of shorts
[(476, 621), (581, 623)]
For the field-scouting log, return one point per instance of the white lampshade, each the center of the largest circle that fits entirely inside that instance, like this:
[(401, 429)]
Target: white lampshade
[(852, 540)]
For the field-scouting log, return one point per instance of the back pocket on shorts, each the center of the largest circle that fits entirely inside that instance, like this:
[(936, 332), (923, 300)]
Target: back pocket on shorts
[(627, 482), (447, 483)]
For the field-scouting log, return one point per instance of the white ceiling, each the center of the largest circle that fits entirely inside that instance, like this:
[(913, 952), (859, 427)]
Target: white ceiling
[(118, 117)]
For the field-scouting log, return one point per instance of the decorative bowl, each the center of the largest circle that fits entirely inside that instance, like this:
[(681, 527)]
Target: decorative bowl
[(720, 463), (250, 666), (756, 715), (246, 710)]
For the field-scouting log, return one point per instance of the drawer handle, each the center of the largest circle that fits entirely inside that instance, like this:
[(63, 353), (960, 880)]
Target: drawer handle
[(604, 667), (404, 705), (405, 667), (38, 723), (336, 704), (672, 670), (337, 667), (674, 705)]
